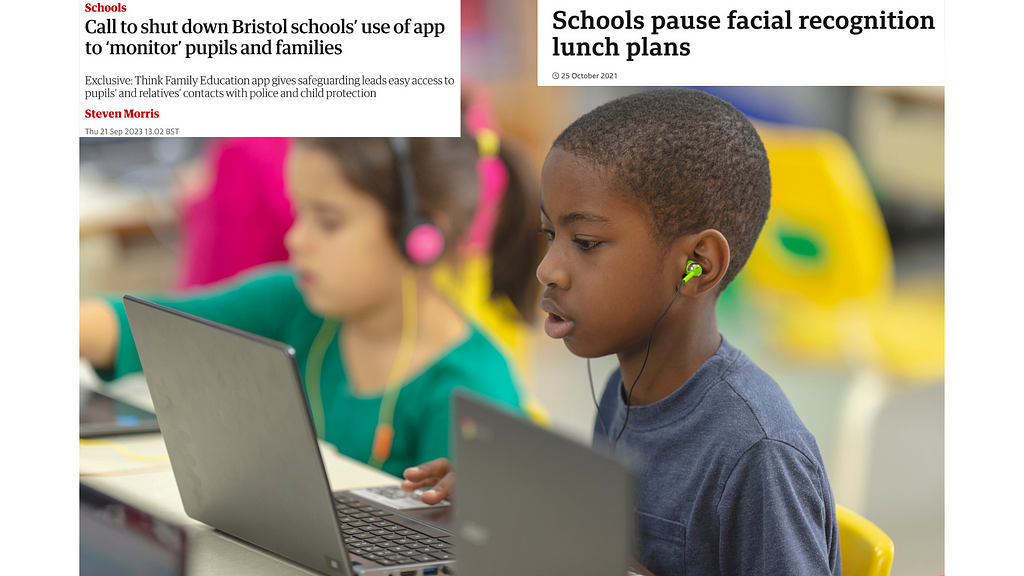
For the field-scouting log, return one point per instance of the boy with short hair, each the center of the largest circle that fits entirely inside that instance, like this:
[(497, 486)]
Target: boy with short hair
[(638, 195)]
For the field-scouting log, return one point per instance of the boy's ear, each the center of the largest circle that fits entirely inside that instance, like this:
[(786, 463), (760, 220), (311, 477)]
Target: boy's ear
[(710, 249)]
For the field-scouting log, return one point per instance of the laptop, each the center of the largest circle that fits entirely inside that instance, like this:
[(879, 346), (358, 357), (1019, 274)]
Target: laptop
[(101, 415), (245, 457), (530, 501), (116, 539)]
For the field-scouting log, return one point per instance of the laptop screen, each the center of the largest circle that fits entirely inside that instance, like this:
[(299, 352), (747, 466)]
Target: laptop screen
[(530, 501), (117, 539), (101, 415)]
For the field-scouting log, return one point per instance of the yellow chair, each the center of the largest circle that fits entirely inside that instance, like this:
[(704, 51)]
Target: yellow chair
[(822, 272), (865, 549), (468, 285)]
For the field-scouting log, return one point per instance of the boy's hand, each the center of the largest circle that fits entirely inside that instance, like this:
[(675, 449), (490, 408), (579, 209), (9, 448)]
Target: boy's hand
[(437, 473)]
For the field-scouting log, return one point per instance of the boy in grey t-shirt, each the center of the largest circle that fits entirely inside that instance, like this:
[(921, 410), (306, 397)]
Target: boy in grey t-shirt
[(652, 204), (730, 480)]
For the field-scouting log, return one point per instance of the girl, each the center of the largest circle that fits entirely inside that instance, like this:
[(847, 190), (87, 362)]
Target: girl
[(379, 349)]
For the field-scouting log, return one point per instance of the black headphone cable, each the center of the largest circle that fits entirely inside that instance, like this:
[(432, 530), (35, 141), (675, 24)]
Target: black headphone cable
[(629, 396)]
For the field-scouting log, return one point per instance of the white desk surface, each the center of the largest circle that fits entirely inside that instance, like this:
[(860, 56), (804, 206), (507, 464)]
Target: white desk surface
[(136, 470)]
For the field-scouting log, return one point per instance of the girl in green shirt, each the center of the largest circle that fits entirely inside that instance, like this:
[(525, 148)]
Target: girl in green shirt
[(378, 348)]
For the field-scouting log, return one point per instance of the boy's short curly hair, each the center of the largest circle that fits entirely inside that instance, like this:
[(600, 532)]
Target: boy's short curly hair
[(692, 159)]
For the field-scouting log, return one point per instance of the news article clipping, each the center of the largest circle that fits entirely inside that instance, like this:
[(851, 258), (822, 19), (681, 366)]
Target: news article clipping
[(710, 43), (299, 68), (132, 72)]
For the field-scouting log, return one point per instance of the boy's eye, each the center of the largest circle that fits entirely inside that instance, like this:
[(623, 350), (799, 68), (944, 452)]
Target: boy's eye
[(585, 244), (549, 233)]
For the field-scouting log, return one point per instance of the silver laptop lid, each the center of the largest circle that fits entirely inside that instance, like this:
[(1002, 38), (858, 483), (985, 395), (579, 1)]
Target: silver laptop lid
[(238, 432), (532, 502)]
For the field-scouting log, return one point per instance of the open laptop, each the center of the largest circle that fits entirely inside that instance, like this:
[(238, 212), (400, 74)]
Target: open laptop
[(101, 415), (245, 456), (530, 501), (116, 539)]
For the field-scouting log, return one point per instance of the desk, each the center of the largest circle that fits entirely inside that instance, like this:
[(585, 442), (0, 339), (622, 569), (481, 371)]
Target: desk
[(135, 469)]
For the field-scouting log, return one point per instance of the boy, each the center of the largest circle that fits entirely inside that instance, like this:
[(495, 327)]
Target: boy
[(636, 195)]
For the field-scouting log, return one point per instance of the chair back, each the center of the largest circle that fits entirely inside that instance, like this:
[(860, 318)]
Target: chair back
[(825, 239), (865, 549)]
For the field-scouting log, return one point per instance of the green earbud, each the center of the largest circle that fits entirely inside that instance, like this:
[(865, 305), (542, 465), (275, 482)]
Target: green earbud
[(692, 269)]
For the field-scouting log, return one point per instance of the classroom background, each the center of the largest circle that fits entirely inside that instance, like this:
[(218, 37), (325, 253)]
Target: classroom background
[(842, 301)]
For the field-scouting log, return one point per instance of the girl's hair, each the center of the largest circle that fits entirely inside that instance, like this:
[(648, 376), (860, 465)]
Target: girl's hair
[(447, 183)]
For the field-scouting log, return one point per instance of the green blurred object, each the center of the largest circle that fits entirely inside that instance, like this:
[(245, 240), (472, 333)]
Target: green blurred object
[(799, 245)]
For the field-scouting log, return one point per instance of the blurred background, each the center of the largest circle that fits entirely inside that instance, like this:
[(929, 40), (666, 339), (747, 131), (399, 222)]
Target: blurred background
[(842, 301)]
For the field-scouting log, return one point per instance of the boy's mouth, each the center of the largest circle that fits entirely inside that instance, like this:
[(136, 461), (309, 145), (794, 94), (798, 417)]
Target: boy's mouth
[(557, 327)]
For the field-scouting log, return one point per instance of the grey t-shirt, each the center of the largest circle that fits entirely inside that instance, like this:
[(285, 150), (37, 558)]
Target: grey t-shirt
[(729, 480)]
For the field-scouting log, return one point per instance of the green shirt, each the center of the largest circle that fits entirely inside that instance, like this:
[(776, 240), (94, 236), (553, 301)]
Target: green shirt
[(269, 304)]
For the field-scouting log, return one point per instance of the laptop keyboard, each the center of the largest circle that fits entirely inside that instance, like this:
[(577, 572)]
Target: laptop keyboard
[(371, 533)]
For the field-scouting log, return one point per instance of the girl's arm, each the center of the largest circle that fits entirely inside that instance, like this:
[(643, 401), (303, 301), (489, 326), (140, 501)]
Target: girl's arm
[(262, 302), (99, 333)]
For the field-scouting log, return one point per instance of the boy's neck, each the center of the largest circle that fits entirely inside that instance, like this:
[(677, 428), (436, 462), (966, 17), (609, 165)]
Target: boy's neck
[(683, 341)]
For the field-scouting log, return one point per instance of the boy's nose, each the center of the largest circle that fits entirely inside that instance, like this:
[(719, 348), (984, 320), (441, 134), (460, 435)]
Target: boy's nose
[(551, 272)]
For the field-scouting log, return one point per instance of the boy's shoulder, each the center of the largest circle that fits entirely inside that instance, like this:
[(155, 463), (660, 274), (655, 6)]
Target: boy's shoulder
[(726, 463), (730, 401), (768, 410)]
